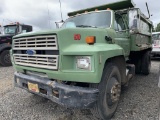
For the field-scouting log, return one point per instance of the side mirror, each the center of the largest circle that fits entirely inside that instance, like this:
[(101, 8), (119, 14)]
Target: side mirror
[(59, 24), (133, 20), (135, 23)]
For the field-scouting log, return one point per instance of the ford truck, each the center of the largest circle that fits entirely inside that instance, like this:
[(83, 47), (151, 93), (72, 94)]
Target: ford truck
[(84, 63)]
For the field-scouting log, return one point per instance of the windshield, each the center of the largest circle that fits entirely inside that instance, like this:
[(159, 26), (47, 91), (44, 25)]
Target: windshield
[(94, 19), (156, 36), (10, 29)]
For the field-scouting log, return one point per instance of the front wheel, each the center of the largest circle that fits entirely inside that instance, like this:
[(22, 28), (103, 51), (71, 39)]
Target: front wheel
[(5, 59), (109, 92)]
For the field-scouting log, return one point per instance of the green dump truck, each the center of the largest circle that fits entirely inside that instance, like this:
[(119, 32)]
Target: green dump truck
[(84, 63)]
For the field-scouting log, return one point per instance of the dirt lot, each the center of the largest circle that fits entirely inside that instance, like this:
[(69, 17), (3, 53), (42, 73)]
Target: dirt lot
[(138, 102)]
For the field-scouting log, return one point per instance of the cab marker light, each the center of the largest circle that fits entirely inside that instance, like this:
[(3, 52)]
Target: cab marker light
[(90, 39)]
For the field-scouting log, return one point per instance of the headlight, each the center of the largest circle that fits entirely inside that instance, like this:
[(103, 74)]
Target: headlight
[(83, 62)]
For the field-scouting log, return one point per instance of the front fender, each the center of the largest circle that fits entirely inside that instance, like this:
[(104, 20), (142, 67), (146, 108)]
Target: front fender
[(99, 52), (106, 52)]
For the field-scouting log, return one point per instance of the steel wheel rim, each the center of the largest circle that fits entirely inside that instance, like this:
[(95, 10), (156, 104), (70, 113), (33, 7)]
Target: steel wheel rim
[(113, 92), (7, 58)]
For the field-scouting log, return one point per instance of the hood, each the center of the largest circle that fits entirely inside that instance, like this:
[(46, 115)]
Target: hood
[(6, 35), (34, 33), (5, 38), (65, 36), (67, 32)]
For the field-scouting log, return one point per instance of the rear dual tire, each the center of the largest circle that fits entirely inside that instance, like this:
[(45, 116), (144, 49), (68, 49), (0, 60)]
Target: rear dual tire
[(143, 65), (146, 63)]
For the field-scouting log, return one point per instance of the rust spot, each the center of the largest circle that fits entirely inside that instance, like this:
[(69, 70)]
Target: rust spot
[(51, 83)]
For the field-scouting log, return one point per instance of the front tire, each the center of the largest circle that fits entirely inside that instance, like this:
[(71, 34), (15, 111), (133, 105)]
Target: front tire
[(5, 59), (109, 92)]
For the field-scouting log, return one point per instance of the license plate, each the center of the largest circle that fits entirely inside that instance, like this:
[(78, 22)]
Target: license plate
[(33, 87)]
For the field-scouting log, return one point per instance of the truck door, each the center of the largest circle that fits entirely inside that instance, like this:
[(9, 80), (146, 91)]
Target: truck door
[(122, 34)]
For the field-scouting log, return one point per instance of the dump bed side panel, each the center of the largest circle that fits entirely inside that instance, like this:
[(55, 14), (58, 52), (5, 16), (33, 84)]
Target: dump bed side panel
[(140, 29), (140, 42)]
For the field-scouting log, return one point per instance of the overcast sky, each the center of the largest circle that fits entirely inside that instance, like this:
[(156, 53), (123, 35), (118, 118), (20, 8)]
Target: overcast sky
[(42, 14)]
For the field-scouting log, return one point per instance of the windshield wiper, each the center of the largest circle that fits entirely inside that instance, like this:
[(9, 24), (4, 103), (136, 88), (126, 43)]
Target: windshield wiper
[(86, 26)]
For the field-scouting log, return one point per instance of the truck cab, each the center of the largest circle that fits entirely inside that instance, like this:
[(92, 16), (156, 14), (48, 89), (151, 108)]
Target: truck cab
[(6, 40), (84, 63)]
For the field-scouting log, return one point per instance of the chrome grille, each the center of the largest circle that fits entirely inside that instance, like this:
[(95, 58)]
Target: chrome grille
[(37, 43), (47, 42), (40, 61)]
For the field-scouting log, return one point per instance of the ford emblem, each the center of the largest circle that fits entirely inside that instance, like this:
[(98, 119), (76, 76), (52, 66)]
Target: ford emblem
[(30, 52)]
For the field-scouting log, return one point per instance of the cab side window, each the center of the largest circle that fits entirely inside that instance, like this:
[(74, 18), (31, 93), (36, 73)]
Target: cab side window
[(115, 25), (119, 23), (24, 29)]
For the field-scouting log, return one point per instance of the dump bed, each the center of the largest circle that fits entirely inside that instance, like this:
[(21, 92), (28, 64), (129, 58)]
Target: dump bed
[(140, 29)]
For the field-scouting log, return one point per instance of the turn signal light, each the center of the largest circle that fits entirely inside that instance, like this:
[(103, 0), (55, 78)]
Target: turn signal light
[(90, 39)]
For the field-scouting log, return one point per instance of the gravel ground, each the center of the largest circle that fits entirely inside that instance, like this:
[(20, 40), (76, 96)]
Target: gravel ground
[(138, 102)]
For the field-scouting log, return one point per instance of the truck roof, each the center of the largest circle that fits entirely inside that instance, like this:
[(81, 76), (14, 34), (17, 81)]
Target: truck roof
[(123, 4), (16, 24)]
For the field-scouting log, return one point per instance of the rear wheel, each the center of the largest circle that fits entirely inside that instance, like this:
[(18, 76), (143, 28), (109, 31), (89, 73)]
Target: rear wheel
[(138, 66), (109, 92), (146, 63), (5, 59)]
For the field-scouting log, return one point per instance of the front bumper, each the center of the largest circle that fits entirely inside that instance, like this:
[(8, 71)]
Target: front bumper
[(66, 95)]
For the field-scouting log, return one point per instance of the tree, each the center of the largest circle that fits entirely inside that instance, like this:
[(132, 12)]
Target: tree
[(158, 28)]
